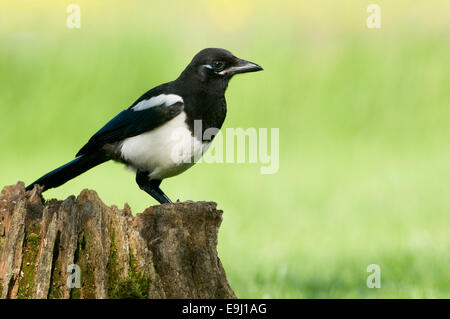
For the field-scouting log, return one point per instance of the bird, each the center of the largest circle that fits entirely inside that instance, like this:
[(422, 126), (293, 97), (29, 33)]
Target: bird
[(155, 137)]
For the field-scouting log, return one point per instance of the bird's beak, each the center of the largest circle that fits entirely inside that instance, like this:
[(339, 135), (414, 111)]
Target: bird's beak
[(242, 66)]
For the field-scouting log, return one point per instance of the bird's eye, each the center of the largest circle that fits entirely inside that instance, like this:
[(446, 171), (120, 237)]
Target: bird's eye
[(218, 66)]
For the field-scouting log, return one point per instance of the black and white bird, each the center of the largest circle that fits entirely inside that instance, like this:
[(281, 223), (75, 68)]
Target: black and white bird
[(147, 135)]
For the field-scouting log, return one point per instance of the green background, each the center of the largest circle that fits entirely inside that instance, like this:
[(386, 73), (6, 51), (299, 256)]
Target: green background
[(363, 117)]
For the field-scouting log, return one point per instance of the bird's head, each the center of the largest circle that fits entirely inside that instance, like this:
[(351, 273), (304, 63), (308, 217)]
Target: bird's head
[(214, 66)]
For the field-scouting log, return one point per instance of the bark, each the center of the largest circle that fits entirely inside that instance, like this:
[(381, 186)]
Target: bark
[(168, 251)]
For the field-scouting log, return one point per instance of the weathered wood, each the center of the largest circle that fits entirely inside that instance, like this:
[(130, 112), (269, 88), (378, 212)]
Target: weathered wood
[(168, 251)]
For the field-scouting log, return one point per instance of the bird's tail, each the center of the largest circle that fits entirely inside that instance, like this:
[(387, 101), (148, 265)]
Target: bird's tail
[(70, 170)]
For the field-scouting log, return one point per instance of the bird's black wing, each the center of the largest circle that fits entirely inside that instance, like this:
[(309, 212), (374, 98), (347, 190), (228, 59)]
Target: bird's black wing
[(130, 123)]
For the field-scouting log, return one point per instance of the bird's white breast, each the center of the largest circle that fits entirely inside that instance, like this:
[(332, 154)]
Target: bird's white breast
[(165, 151)]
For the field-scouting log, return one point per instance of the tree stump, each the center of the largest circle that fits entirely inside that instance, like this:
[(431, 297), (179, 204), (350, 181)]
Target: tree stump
[(168, 251)]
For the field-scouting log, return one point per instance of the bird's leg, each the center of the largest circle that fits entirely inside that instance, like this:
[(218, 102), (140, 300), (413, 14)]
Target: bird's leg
[(151, 187), (155, 184)]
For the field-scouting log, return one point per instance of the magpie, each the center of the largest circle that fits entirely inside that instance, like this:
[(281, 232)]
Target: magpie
[(142, 136)]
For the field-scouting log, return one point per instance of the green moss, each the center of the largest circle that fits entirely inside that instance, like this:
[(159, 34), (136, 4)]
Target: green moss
[(139, 283), (134, 287), (2, 242), (75, 292), (28, 268), (112, 270), (87, 290), (34, 238), (56, 281)]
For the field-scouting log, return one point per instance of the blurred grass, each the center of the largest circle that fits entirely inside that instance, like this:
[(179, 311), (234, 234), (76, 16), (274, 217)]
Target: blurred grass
[(363, 117)]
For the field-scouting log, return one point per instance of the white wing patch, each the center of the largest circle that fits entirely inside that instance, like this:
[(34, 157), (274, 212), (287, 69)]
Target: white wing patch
[(162, 99)]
